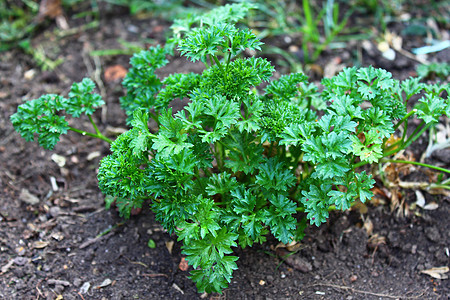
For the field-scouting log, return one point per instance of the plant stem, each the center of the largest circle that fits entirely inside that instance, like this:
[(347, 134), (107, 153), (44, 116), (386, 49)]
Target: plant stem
[(404, 118), (155, 117), (98, 135), (330, 208), (417, 133), (399, 161), (94, 125), (216, 60), (220, 153)]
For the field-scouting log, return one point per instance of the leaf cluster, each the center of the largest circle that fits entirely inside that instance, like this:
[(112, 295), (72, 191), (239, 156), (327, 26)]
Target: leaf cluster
[(45, 117)]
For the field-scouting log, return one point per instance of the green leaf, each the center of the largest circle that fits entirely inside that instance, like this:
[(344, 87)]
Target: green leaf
[(171, 138), (368, 75), (327, 151), (411, 86), (244, 154), (342, 200), (336, 144), (208, 254), (345, 80), (370, 150), (188, 231), (254, 107), (238, 78), (367, 91), (336, 123), (375, 119), (204, 41), (224, 113), (316, 203), (40, 117), (296, 134), (241, 40), (430, 108), (243, 200), (151, 244), (230, 13), (279, 218), (120, 175), (140, 135), (363, 184), (141, 82), (221, 183), (274, 176), (245, 213), (174, 172), (82, 100), (345, 105), (331, 168), (177, 85), (286, 87)]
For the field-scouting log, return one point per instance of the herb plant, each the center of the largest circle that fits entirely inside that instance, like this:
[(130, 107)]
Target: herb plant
[(240, 160)]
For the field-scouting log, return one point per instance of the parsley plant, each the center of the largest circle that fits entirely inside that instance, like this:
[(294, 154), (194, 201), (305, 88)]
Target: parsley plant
[(240, 161)]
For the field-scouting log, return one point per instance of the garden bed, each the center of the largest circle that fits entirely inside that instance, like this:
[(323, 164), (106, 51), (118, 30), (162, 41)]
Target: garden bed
[(58, 240)]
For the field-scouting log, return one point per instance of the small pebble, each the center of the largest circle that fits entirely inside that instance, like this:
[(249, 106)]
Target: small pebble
[(55, 211), (432, 233), (85, 288), (77, 282), (20, 250), (59, 289), (20, 261)]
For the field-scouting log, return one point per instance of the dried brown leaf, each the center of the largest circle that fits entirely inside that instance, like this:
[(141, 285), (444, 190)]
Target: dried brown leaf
[(183, 265), (50, 8), (114, 73)]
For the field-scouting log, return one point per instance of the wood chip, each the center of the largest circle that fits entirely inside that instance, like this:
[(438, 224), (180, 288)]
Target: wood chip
[(28, 197), (93, 155), (59, 160), (431, 206), (420, 199), (438, 272), (105, 283), (40, 244), (175, 286), (169, 246), (58, 282), (6, 267)]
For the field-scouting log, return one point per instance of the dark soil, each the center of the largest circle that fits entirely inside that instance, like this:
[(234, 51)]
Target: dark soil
[(66, 245)]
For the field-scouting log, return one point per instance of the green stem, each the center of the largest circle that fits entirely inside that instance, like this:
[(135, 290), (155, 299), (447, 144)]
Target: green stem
[(399, 161), (197, 173), (404, 118), (330, 208), (228, 59), (94, 125), (417, 133), (394, 145), (155, 117), (220, 153), (216, 60), (98, 135)]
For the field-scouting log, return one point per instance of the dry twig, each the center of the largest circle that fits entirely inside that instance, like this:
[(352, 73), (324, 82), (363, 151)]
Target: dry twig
[(343, 287)]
